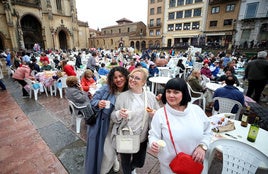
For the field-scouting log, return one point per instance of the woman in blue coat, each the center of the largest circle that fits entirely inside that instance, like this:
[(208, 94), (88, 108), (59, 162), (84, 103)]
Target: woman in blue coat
[(99, 149)]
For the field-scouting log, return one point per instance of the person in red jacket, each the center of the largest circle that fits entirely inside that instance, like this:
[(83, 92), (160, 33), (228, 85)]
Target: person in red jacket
[(68, 69), (43, 58), (87, 80)]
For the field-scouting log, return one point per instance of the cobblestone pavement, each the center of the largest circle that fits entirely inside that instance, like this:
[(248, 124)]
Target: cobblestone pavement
[(39, 136)]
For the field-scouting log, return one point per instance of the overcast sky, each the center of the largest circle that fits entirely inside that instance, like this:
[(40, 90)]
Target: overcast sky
[(104, 13)]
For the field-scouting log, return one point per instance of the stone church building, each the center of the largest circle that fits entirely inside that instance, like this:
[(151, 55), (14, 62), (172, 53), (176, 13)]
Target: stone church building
[(53, 24)]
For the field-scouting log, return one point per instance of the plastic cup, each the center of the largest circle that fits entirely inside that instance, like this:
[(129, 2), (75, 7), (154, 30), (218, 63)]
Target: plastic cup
[(161, 144), (129, 114), (107, 106)]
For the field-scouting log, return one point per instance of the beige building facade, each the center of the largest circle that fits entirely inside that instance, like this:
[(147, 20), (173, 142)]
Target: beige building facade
[(125, 34), (53, 24), (184, 22), (221, 22), (155, 23)]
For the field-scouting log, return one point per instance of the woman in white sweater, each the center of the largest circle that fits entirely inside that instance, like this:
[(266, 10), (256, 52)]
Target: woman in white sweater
[(189, 125)]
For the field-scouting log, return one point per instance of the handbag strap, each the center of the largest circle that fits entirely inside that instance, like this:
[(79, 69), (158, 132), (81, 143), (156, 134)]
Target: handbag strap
[(170, 134), (145, 107)]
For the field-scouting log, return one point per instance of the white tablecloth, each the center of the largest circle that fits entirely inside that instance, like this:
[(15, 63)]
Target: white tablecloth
[(214, 86), (158, 80), (240, 134)]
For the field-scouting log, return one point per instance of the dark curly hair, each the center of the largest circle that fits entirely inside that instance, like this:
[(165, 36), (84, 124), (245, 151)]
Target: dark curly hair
[(180, 85), (110, 81)]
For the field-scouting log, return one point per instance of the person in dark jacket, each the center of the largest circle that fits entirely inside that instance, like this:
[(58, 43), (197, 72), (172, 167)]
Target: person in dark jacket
[(78, 61), (257, 74)]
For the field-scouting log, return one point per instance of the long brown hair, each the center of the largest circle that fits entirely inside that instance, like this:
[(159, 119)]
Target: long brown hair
[(110, 81)]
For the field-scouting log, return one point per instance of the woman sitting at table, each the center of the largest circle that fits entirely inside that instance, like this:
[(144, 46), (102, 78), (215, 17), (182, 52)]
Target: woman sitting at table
[(75, 93), (87, 80), (206, 71), (194, 81), (68, 69), (181, 66)]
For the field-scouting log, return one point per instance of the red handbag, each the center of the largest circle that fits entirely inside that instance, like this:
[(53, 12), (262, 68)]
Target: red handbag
[(183, 163)]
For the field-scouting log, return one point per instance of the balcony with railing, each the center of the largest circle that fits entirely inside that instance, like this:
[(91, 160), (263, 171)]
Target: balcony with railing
[(212, 2), (151, 26)]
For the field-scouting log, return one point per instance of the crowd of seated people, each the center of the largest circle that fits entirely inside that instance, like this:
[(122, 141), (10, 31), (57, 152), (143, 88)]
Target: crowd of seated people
[(215, 66)]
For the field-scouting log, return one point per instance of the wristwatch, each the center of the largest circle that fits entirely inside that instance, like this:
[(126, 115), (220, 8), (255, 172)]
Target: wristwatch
[(203, 146)]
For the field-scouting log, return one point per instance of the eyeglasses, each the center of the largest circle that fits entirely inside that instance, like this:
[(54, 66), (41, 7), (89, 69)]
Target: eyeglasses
[(134, 78)]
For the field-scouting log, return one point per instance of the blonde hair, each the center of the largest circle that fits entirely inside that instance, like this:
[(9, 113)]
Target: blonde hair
[(193, 74), (88, 73), (143, 71)]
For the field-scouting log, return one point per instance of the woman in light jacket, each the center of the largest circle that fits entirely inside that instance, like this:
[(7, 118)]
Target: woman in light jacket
[(130, 110)]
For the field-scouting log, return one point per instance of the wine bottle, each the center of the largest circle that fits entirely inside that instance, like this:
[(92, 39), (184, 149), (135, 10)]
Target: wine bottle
[(253, 130), (244, 119)]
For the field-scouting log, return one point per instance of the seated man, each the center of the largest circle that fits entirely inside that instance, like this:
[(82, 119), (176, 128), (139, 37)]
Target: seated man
[(228, 73), (229, 91), (215, 69), (103, 71)]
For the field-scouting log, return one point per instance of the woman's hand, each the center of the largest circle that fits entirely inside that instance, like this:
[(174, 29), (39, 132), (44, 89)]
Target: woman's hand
[(102, 104), (123, 113), (199, 154), (158, 97), (155, 147), (151, 113)]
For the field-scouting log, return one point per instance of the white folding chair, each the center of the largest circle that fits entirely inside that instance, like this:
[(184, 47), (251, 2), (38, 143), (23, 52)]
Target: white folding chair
[(226, 105), (74, 109), (197, 65), (165, 72), (60, 85), (238, 157), (35, 90), (205, 80), (201, 97)]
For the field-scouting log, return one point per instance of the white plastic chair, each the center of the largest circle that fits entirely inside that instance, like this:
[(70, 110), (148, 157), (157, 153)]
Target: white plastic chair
[(60, 84), (165, 72), (197, 65), (205, 80), (74, 109), (238, 157), (201, 97), (10, 71), (226, 105), (35, 91)]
